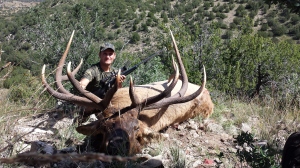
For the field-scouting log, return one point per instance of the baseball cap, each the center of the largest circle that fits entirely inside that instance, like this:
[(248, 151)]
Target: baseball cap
[(107, 46)]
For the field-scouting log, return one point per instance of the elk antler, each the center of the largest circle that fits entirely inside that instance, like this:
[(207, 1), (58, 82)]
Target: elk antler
[(65, 77), (101, 102), (89, 100), (136, 103), (153, 99), (185, 81), (178, 97), (158, 101)]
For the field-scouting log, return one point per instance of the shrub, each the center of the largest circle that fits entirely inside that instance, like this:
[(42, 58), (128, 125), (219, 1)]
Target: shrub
[(231, 6), (272, 14), (282, 19), (232, 25), (256, 156), (264, 27), (278, 30), (117, 24), (252, 14), (271, 22), (228, 34), (237, 20), (135, 38), (221, 15), (206, 5), (295, 19), (263, 34), (25, 88), (297, 36), (211, 16), (240, 11)]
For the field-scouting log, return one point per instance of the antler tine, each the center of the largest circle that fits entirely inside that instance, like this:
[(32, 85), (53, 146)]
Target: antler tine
[(67, 97), (174, 100), (110, 93), (133, 97), (103, 103), (58, 76), (184, 86), (166, 92), (76, 84), (65, 77)]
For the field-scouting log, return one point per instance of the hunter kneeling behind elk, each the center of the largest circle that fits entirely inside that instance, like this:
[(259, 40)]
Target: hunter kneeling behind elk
[(129, 117)]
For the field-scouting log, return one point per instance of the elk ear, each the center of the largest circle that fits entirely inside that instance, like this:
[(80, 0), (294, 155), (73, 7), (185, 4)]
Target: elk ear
[(89, 129)]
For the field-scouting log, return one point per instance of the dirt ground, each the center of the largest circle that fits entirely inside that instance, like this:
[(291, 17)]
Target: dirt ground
[(7, 7)]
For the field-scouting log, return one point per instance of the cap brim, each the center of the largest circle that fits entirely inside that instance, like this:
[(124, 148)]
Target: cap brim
[(105, 48)]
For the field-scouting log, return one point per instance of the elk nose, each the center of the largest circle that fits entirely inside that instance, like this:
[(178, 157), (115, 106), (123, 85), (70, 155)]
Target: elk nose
[(118, 143)]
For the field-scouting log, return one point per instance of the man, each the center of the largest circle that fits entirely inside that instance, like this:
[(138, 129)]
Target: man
[(92, 76)]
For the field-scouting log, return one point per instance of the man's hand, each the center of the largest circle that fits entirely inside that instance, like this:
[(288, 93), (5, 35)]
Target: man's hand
[(122, 77)]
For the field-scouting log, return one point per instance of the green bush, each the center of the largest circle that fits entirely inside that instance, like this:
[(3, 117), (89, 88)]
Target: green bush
[(232, 25), (271, 22), (295, 19), (26, 89), (263, 34), (17, 76), (228, 34), (135, 37), (264, 27), (278, 30), (256, 156)]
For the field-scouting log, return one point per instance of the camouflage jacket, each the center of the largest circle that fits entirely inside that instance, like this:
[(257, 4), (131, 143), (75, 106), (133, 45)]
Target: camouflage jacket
[(95, 74)]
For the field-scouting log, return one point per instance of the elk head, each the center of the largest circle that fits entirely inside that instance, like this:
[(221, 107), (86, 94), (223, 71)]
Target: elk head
[(120, 128)]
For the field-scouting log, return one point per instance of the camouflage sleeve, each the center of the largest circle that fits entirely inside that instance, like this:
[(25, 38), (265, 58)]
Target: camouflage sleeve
[(88, 74)]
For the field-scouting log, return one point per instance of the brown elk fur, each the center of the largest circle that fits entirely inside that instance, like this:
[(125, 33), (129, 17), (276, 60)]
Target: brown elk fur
[(158, 119)]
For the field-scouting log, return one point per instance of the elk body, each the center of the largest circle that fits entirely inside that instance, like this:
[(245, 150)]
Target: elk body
[(129, 117)]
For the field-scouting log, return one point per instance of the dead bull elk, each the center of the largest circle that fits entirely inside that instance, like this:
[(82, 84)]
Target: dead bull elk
[(129, 117)]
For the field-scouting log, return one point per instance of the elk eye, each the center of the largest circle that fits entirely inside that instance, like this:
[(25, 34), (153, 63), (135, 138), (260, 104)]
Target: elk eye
[(136, 127)]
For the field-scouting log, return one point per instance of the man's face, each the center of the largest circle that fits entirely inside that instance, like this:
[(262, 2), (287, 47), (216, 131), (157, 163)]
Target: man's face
[(107, 56)]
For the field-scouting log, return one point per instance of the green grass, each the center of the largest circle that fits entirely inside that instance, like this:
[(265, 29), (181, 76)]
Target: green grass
[(177, 157)]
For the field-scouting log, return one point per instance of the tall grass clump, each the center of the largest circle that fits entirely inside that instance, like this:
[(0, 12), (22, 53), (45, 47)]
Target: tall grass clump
[(177, 157)]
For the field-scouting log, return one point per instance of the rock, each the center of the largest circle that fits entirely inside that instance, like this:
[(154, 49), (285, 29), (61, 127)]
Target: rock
[(154, 162), (192, 125), (208, 162), (181, 127), (197, 163), (32, 134), (166, 136), (233, 130), (194, 134), (216, 128), (246, 128), (261, 143), (42, 147)]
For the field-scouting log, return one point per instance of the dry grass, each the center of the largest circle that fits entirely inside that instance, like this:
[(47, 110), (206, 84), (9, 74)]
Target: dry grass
[(267, 122)]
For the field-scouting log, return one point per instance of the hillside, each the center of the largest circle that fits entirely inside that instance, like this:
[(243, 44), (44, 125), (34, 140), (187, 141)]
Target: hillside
[(119, 22), (133, 27), (8, 7)]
